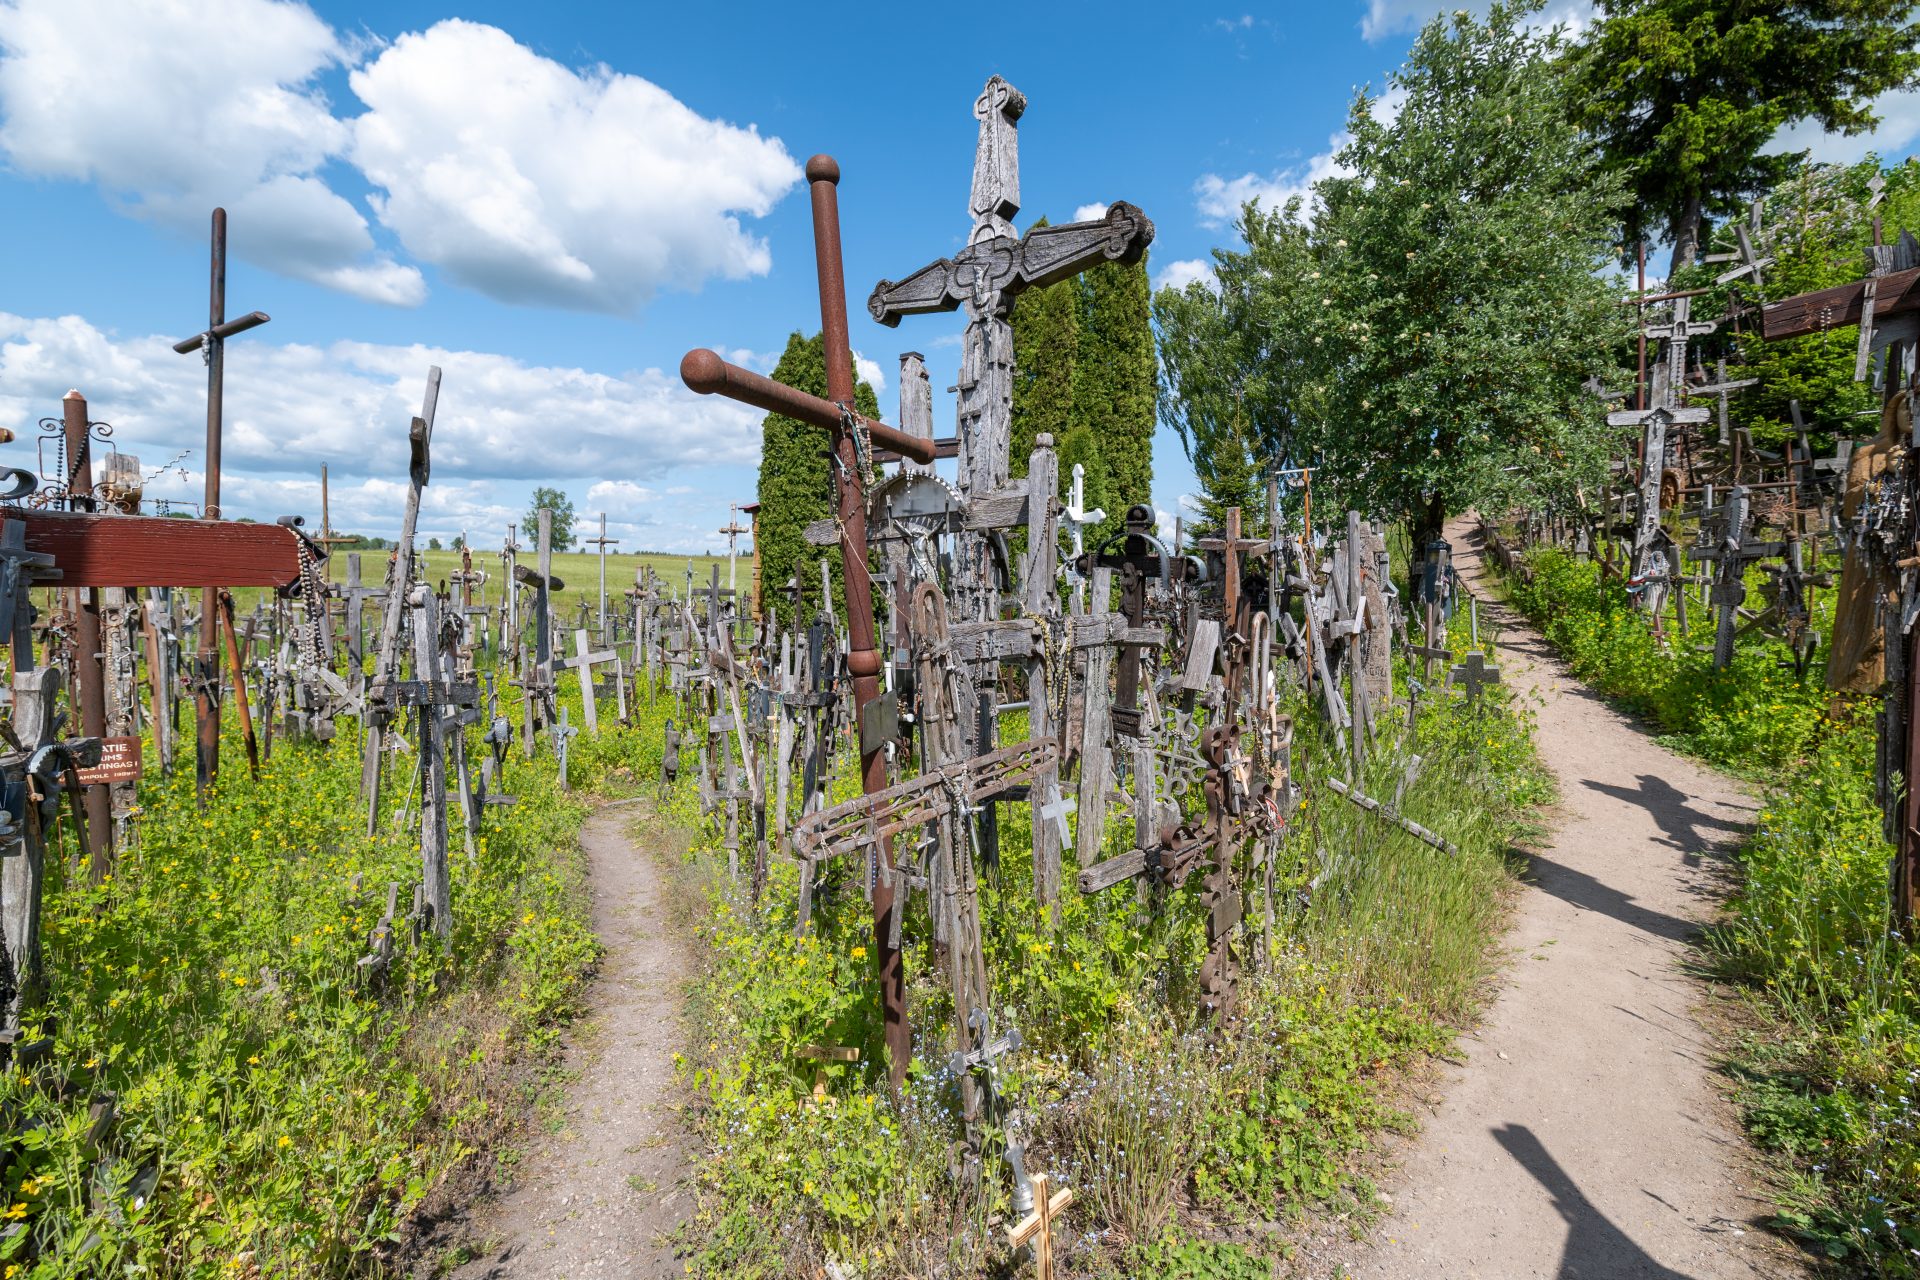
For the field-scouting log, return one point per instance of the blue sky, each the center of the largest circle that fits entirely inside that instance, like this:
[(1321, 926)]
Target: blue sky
[(555, 202)]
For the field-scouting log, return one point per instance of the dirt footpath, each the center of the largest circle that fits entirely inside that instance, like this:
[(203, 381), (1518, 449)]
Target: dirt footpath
[(595, 1196), (1586, 1135)]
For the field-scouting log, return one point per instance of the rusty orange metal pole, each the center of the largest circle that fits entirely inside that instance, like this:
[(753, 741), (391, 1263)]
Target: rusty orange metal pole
[(863, 659)]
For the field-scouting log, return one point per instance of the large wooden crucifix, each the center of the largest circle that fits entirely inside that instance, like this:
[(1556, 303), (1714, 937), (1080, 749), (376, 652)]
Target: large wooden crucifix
[(986, 277), (851, 435), (211, 343)]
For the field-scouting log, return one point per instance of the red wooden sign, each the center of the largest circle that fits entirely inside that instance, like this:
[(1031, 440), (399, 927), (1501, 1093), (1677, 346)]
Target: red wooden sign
[(119, 762), (155, 551)]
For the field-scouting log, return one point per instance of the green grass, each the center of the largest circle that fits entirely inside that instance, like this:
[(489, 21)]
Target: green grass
[(274, 1115), (1831, 1079)]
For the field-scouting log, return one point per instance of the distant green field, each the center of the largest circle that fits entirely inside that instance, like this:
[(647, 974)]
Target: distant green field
[(579, 572)]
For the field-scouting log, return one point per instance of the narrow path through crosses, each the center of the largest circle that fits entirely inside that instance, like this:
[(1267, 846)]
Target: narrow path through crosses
[(1585, 1136), (594, 1198)]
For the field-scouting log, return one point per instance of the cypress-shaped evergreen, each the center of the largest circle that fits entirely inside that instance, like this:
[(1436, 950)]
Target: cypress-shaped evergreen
[(796, 485), (1113, 382)]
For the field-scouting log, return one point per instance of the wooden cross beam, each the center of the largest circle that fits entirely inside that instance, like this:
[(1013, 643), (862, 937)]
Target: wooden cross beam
[(211, 343), (1037, 1227)]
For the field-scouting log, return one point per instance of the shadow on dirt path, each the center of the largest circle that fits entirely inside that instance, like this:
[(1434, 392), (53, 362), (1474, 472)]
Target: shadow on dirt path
[(1585, 1136)]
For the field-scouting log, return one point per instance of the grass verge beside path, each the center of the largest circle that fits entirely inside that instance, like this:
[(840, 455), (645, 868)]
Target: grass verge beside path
[(275, 1114), (1830, 1079)]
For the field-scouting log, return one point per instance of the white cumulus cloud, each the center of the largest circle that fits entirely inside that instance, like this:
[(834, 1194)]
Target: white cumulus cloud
[(1178, 275), (501, 422), (1088, 212), (528, 180), (175, 106), (533, 182)]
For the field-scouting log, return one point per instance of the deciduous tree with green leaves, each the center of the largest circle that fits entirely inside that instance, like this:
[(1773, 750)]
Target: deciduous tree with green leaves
[(1683, 95), (1420, 335), (560, 536)]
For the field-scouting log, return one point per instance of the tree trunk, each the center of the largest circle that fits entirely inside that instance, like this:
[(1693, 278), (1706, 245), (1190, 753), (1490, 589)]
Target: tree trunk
[(1686, 234)]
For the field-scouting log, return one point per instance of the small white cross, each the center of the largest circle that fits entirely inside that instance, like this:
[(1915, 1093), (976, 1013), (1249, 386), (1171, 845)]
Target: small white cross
[(1056, 810)]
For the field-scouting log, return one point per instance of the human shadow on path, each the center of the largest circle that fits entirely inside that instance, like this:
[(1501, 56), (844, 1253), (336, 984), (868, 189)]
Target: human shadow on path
[(1595, 1249), (1590, 894), (1673, 811)]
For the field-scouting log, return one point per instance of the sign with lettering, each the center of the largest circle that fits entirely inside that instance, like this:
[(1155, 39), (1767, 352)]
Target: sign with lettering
[(119, 762)]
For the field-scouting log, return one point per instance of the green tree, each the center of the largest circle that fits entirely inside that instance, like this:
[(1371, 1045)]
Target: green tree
[(1046, 345), (1421, 336), (1816, 227), (1239, 380), (1114, 380), (796, 484), (560, 535), (1682, 95)]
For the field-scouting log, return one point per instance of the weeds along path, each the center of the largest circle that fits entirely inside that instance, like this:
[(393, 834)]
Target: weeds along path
[(599, 1183), (1585, 1136)]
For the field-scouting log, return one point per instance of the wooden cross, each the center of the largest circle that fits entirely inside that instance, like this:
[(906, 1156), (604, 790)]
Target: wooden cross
[(211, 343), (584, 662), (733, 529), (1056, 809), (992, 271), (1474, 675), (386, 667), (1731, 550), (852, 437), (1037, 1227)]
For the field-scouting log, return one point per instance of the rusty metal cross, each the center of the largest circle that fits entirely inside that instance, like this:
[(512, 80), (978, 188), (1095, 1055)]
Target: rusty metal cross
[(851, 435)]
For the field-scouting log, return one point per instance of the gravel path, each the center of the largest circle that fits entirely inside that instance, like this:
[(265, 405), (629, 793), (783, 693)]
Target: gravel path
[(595, 1197), (1586, 1135)]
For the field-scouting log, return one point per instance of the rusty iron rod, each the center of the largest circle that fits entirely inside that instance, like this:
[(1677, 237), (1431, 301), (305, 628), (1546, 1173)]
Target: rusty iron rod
[(90, 682), (863, 660), (705, 372)]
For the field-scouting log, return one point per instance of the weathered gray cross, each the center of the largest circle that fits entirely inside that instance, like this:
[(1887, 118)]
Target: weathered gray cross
[(584, 662), (1474, 675), (602, 543), (987, 276)]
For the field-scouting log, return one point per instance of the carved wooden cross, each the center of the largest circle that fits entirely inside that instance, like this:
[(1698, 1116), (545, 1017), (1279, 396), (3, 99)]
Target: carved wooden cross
[(992, 271)]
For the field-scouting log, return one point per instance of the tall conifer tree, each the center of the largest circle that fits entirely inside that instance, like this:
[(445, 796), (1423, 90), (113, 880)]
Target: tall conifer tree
[(1113, 382), (796, 484)]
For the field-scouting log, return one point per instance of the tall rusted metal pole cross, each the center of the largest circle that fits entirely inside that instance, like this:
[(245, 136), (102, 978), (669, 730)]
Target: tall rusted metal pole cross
[(211, 344), (852, 437)]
